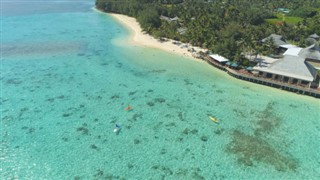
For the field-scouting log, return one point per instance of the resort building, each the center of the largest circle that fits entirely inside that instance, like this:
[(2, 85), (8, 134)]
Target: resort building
[(280, 44), (315, 37), (312, 39), (168, 19), (283, 10), (278, 40), (298, 66), (182, 30), (219, 59)]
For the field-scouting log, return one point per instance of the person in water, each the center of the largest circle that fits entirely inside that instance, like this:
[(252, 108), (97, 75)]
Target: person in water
[(128, 108)]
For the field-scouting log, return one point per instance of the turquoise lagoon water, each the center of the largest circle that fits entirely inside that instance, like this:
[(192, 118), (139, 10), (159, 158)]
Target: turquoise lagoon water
[(66, 81)]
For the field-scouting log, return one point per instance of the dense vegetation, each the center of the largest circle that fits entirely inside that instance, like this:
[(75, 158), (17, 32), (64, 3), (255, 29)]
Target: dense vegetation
[(227, 27)]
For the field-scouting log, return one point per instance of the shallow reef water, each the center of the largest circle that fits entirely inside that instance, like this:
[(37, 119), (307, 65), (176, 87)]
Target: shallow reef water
[(69, 82)]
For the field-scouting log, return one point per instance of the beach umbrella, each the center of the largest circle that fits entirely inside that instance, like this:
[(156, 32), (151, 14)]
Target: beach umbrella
[(249, 68), (234, 65)]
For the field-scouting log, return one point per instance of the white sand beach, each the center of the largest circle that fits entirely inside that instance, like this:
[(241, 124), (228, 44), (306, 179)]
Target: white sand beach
[(142, 39)]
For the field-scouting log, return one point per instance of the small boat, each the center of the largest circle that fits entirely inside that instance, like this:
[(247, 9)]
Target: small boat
[(213, 119), (117, 129)]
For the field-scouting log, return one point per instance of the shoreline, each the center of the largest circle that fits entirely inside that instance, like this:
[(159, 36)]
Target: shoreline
[(139, 38)]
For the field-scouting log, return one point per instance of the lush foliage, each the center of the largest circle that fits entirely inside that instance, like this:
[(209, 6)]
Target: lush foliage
[(228, 27), (304, 12)]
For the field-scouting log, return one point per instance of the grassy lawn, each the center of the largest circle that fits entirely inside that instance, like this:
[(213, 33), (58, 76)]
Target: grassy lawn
[(287, 19)]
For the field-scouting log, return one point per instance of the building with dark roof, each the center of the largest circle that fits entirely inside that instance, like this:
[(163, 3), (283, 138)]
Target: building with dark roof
[(314, 36), (278, 40)]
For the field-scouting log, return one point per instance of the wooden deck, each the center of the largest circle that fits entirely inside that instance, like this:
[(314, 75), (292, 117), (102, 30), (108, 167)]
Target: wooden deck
[(267, 82), (213, 63)]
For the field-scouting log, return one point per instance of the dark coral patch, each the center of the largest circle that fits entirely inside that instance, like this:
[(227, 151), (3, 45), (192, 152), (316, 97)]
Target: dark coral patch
[(204, 138), (167, 171), (93, 146), (266, 125), (13, 81), (99, 97), (160, 100), (164, 170), (115, 97), (267, 120), (172, 124), (194, 131), (180, 116), (293, 106), (239, 113), (84, 130), (136, 116), (187, 82), (251, 148), (24, 109), (179, 139), (158, 71), (111, 176), (99, 173), (60, 97), (157, 126), (50, 100), (119, 65), (66, 114), (150, 103), (163, 151), (130, 166), (197, 176), (136, 141), (182, 172), (218, 131), (186, 131), (132, 93), (31, 130), (155, 167)]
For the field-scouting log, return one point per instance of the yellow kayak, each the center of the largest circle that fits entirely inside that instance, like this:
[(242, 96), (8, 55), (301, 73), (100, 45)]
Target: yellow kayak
[(213, 119)]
